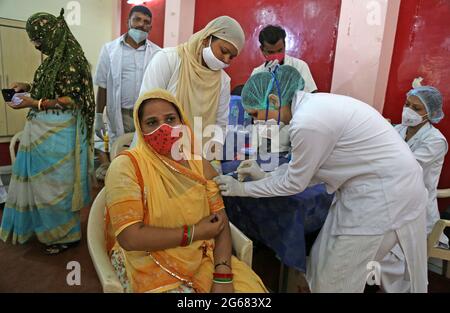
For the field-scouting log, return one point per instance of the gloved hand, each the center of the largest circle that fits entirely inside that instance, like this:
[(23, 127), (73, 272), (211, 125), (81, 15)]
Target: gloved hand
[(99, 126), (252, 169), (230, 187), (217, 166)]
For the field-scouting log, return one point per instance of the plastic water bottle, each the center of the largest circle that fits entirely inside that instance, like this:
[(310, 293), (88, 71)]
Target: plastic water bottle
[(106, 141), (235, 114)]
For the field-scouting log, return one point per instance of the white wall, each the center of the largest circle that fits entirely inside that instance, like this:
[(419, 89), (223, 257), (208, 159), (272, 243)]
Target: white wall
[(179, 21), (99, 20), (364, 49)]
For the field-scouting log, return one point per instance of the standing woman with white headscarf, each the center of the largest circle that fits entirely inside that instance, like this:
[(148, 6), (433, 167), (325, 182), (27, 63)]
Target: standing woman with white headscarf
[(193, 72)]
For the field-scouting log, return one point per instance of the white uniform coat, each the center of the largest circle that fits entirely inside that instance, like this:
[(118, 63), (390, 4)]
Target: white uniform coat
[(429, 147), (379, 187), (108, 75)]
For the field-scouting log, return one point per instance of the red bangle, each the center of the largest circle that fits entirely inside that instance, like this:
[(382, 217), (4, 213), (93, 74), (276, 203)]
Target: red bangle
[(223, 275), (184, 241)]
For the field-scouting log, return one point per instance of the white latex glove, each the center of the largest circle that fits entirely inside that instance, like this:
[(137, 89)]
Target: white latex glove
[(230, 187), (99, 126), (217, 166), (272, 65), (252, 169)]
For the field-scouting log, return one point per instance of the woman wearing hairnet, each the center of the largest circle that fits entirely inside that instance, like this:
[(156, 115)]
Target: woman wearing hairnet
[(423, 108), (380, 196)]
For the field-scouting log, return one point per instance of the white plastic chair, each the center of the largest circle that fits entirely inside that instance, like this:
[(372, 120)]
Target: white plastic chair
[(433, 238), (122, 143), (12, 146), (242, 246)]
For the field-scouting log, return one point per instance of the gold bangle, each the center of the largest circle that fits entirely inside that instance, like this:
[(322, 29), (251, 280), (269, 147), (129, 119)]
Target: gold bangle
[(39, 104)]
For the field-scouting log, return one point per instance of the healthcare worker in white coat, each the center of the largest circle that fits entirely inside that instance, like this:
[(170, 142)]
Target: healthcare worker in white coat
[(380, 197), (194, 73), (119, 74), (422, 109)]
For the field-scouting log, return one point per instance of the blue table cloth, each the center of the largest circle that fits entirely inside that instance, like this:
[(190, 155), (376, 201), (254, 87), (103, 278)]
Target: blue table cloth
[(280, 222)]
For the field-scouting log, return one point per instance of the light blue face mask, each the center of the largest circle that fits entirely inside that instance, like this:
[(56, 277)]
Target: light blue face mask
[(137, 35)]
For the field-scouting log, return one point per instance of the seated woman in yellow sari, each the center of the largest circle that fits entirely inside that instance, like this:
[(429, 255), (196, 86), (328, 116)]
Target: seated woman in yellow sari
[(166, 223)]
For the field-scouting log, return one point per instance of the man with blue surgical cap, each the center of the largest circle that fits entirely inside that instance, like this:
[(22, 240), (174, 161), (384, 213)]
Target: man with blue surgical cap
[(423, 108), (380, 197)]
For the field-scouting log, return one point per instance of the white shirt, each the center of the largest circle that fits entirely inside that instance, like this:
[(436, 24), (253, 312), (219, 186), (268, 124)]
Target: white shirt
[(108, 75), (164, 72), (132, 74), (429, 147), (301, 66), (349, 146)]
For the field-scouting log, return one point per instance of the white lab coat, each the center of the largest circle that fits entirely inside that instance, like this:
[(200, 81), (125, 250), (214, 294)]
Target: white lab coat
[(349, 146), (301, 66), (108, 75), (164, 71), (429, 147)]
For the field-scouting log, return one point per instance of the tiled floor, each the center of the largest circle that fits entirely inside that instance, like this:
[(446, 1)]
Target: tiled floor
[(24, 268)]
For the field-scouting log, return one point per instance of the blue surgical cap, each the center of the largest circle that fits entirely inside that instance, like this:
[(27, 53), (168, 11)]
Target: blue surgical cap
[(432, 100), (255, 91)]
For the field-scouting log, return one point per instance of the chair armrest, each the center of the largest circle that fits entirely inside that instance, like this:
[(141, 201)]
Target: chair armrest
[(104, 268), (97, 247), (435, 234), (242, 245), (443, 193)]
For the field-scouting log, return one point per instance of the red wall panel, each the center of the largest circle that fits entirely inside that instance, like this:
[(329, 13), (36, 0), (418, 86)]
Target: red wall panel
[(158, 8), (311, 26), (422, 48)]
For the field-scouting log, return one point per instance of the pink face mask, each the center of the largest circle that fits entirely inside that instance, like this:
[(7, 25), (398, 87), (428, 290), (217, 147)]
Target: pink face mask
[(276, 56), (162, 140)]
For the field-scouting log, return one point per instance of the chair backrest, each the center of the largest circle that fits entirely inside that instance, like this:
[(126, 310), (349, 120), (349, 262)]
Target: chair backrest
[(12, 146), (121, 143), (435, 235), (97, 246)]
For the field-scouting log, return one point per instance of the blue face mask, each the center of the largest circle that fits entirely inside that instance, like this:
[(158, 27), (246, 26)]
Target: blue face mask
[(137, 35)]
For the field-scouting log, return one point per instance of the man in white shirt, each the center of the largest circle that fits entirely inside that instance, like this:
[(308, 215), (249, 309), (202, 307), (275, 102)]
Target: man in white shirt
[(273, 47), (119, 74), (380, 196)]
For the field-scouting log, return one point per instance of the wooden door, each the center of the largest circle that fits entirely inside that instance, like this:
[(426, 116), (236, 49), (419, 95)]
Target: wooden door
[(3, 128), (20, 60)]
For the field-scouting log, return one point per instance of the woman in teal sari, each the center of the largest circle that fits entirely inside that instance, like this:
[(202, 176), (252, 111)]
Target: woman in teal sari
[(50, 179)]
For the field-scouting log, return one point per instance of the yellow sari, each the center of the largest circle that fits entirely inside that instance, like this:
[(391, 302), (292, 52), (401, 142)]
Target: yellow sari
[(147, 187)]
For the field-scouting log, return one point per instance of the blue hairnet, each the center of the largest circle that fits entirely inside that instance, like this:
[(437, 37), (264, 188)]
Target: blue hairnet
[(261, 85), (432, 100)]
